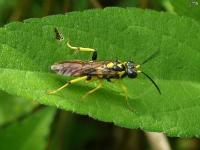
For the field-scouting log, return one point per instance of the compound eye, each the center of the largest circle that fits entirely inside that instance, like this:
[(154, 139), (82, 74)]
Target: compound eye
[(130, 64), (132, 73)]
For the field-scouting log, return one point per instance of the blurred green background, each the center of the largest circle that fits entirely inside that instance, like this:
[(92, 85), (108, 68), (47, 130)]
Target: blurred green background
[(68, 130)]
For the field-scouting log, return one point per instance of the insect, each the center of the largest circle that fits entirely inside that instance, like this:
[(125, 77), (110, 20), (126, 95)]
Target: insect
[(98, 70)]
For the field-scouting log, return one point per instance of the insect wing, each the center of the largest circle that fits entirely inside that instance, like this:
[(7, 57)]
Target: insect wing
[(68, 68), (80, 68)]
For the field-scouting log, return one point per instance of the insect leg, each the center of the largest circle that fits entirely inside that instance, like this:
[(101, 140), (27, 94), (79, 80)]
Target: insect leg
[(68, 83), (93, 90), (59, 35), (124, 88), (84, 49)]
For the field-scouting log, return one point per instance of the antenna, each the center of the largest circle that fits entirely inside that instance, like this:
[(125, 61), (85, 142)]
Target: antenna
[(156, 86), (151, 56)]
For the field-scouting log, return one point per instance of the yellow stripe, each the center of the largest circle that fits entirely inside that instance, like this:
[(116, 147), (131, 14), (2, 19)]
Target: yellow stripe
[(121, 73), (110, 65)]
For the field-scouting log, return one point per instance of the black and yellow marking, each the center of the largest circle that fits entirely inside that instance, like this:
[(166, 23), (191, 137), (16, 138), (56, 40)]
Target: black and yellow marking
[(98, 70), (59, 35)]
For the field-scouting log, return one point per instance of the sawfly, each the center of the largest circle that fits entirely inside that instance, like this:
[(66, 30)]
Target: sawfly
[(98, 70)]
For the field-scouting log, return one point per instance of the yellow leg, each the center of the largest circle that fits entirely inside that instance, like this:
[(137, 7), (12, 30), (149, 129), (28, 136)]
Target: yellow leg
[(80, 48), (83, 49), (68, 83), (126, 96), (93, 90), (125, 90)]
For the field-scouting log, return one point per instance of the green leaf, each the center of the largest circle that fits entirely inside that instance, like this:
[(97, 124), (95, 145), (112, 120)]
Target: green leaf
[(190, 8), (11, 107), (28, 50), (30, 133)]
